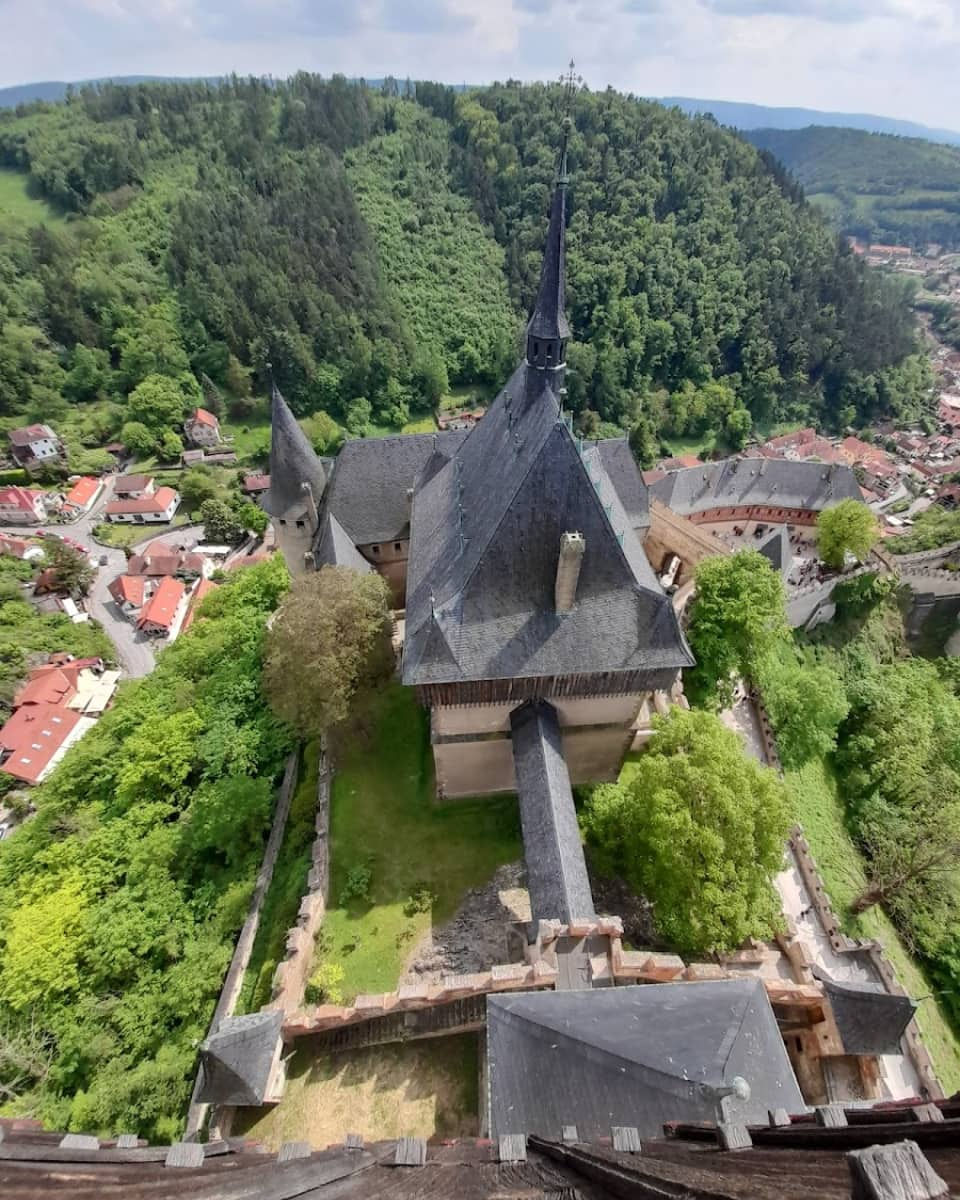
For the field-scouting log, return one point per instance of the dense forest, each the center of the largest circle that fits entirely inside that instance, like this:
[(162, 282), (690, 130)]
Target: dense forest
[(874, 185), (380, 246)]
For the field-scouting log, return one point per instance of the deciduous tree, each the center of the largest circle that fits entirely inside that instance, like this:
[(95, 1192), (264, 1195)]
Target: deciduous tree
[(848, 527), (697, 827)]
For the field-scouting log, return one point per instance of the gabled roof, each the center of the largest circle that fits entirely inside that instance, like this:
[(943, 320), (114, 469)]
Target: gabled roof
[(335, 548), (124, 484), (29, 434), (157, 501), (742, 481), (235, 1062), (83, 491), (256, 482), (371, 480), (486, 534), (293, 461), (46, 685), (636, 1056), (18, 497), (557, 877), (203, 417), (128, 589), (34, 735), (163, 604)]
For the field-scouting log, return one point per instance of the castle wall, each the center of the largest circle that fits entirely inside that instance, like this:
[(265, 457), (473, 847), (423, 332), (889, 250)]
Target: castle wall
[(295, 532), (572, 710), (390, 560), (756, 512)]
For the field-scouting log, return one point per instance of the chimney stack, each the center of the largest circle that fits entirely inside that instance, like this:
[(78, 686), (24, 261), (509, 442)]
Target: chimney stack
[(572, 546)]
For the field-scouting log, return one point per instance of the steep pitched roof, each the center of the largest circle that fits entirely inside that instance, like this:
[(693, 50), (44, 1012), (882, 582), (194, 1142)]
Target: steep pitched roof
[(870, 1019), (777, 549), (157, 501), (128, 589), (83, 491), (203, 417), (371, 479), (235, 1061), (335, 548), (486, 533), (621, 469), (549, 319), (163, 604), (557, 877), (292, 461), (635, 1056), (29, 434), (739, 481), (34, 735)]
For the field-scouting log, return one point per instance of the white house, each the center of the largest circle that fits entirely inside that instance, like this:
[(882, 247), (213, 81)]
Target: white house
[(34, 444), (21, 506), (202, 428), (155, 508)]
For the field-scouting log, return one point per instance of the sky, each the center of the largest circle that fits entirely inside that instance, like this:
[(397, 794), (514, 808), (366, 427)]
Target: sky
[(895, 58)]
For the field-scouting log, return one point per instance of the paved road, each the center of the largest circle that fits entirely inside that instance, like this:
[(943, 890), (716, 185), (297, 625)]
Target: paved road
[(135, 652)]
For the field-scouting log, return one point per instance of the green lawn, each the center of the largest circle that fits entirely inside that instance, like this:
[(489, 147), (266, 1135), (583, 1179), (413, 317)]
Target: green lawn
[(818, 808), (421, 425), (289, 881), (19, 205), (384, 815), (125, 537)]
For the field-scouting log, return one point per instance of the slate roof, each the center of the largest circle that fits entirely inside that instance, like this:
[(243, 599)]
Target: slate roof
[(556, 871), (549, 319), (870, 1019), (776, 548), (371, 479), (636, 1056), (292, 461), (486, 531), (624, 474), (773, 481), (235, 1061), (335, 548)]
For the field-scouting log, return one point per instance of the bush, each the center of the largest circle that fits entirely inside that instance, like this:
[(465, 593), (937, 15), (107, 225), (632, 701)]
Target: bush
[(356, 885), (421, 900), (325, 985)]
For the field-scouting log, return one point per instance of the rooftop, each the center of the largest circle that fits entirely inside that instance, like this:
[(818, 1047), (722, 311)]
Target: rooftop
[(774, 482), (34, 735), (161, 609), (157, 501), (83, 491), (29, 434)]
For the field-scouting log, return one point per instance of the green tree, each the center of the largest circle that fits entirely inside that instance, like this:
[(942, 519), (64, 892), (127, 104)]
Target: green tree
[(847, 528), (358, 416), (41, 956), (197, 485), (74, 573), (806, 705), (158, 402), (89, 373), (643, 443), (698, 828), (325, 434), (253, 518), (220, 522), (171, 446), (138, 439), (150, 344), (737, 617), (329, 643)]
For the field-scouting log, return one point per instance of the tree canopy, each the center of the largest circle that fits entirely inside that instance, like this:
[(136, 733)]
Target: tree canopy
[(698, 828), (847, 528)]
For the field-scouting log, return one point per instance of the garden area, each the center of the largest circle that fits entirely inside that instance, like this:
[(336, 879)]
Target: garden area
[(400, 862)]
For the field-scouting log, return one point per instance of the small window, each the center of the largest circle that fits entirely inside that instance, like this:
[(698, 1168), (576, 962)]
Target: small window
[(300, 524), (536, 350), (374, 549), (282, 521), (397, 547)]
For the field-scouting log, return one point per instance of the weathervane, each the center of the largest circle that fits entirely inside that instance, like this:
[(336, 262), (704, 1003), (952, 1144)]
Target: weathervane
[(571, 82)]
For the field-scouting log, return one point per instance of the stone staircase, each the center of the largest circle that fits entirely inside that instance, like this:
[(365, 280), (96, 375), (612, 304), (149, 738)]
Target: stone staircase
[(460, 1016)]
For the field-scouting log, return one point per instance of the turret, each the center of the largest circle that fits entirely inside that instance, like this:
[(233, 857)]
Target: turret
[(297, 481), (548, 330)]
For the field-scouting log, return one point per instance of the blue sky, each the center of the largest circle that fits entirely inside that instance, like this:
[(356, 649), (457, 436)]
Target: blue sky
[(894, 57)]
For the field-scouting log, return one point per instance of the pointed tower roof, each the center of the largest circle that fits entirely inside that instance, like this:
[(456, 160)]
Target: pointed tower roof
[(292, 460), (549, 319)]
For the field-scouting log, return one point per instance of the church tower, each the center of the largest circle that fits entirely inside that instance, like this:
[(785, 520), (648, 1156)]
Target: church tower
[(297, 481)]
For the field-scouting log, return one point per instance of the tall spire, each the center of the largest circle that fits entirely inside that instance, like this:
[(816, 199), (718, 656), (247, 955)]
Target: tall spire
[(293, 462), (548, 329)]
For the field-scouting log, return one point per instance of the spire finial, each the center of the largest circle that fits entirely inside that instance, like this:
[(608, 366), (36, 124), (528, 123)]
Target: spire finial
[(571, 85)]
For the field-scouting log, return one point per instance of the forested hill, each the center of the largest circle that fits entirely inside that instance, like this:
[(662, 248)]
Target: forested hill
[(873, 185), (378, 247)]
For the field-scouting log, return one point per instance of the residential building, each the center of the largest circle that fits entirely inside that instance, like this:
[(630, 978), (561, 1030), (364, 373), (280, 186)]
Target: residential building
[(19, 548), (82, 496), (154, 508), (202, 428), (36, 738), (163, 610), (255, 485), (133, 487), (129, 593), (34, 445), (161, 560), (22, 506)]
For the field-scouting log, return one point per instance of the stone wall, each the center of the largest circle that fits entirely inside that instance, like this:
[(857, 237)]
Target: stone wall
[(291, 975)]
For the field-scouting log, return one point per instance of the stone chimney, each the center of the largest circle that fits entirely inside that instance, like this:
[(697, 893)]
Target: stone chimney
[(572, 546)]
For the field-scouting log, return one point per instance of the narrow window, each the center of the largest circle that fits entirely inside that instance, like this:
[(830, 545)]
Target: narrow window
[(300, 524), (374, 549), (397, 547)]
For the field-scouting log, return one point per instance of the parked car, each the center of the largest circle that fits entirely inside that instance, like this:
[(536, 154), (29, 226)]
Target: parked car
[(104, 559)]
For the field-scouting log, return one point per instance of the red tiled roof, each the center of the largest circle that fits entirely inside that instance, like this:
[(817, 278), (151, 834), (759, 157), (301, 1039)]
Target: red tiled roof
[(22, 498), (158, 502), (10, 545), (128, 589), (797, 438), (33, 735), (47, 685), (83, 491), (204, 418), (131, 483), (651, 477), (256, 483), (29, 434), (203, 588), (163, 604), (249, 560)]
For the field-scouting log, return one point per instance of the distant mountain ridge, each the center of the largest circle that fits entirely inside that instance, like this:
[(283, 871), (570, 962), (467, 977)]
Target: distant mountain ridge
[(52, 90), (761, 116)]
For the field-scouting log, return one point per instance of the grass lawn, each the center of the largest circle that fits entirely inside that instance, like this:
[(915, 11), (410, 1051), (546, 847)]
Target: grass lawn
[(279, 910), (249, 435), (818, 808), (422, 425), (384, 816), (19, 205), (125, 537), (415, 1089)]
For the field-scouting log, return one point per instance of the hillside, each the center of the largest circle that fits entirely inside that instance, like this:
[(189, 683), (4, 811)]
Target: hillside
[(872, 185), (379, 249), (763, 116)]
